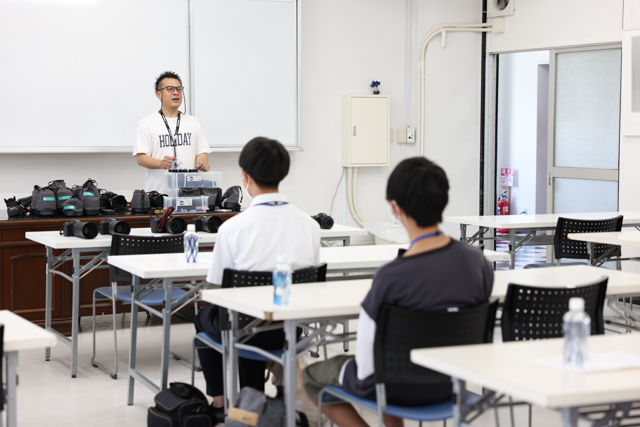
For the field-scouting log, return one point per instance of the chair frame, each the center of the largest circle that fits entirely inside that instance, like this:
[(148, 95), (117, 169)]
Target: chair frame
[(387, 326)]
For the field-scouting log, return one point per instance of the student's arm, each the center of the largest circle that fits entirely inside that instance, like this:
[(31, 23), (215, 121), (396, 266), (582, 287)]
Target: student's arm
[(364, 347), (202, 162), (222, 257), (150, 163)]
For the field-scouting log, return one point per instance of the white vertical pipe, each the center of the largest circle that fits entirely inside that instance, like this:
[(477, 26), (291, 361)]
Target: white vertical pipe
[(192, 67)]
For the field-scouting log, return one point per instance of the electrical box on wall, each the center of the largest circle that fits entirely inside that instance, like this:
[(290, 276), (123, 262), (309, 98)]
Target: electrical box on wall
[(365, 130)]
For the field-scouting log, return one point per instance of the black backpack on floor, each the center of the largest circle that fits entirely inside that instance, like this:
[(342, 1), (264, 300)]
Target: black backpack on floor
[(182, 405)]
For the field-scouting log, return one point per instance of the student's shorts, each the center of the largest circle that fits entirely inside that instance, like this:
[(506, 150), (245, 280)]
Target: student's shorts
[(322, 374)]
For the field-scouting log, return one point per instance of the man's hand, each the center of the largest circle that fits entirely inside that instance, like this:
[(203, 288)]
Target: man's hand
[(202, 162), (167, 162)]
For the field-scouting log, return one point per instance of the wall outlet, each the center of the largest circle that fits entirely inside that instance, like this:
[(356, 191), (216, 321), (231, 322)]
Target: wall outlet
[(411, 135)]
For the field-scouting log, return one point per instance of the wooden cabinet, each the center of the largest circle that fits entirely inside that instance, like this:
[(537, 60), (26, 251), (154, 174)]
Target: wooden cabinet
[(23, 271)]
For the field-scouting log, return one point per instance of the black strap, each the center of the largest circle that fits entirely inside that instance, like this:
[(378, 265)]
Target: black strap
[(173, 141)]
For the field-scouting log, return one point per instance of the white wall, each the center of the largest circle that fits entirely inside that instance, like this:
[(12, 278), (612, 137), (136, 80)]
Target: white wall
[(544, 24), (345, 44), (517, 125)]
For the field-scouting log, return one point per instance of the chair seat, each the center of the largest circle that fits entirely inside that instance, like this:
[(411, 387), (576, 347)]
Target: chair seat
[(435, 412), (553, 264), (154, 298), (245, 354)]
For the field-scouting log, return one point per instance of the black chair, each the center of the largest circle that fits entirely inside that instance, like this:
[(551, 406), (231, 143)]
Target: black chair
[(565, 248), (123, 244), (400, 330), (238, 279)]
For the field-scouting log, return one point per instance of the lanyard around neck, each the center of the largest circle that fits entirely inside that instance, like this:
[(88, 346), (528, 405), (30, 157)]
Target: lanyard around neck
[(272, 204), (166, 123), (423, 237)]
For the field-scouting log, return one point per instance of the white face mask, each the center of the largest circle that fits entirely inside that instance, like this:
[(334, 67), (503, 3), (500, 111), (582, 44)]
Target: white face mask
[(246, 189), (396, 221)]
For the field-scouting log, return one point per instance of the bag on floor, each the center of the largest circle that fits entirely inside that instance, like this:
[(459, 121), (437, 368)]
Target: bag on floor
[(182, 405), (256, 409)]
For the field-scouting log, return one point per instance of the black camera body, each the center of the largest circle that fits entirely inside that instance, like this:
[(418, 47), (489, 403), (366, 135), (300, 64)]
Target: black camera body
[(112, 226), (84, 230), (173, 225), (206, 223), (15, 208), (325, 221), (111, 200), (156, 200)]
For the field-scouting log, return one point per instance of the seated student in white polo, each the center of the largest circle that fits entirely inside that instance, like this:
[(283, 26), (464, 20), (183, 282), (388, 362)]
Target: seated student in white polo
[(252, 241), (436, 273)]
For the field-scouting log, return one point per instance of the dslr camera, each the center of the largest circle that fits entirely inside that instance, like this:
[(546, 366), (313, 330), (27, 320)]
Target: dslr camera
[(156, 200), (15, 207), (206, 223), (113, 226), (325, 221), (111, 200), (172, 224), (84, 230)]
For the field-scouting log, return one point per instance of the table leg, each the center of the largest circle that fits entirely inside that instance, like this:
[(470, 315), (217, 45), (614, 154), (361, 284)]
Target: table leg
[(233, 358), (48, 298), (134, 337), (591, 250), (346, 241), (12, 383), (75, 312), (463, 233), (166, 333), (512, 248), (569, 417), (290, 373), (459, 389)]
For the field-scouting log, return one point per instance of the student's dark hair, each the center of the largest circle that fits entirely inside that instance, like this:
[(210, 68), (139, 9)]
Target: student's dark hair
[(167, 75), (421, 189), (265, 160)]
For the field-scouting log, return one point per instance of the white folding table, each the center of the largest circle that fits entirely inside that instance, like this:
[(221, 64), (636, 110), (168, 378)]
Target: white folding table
[(528, 223), (629, 237), (513, 368), (95, 251), (19, 334)]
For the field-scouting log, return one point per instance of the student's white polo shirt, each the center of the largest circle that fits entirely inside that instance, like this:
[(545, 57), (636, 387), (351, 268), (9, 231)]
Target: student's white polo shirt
[(253, 239)]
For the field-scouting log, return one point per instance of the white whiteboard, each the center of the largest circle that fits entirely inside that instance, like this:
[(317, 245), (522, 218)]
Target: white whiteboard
[(79, 74), (245, 68)]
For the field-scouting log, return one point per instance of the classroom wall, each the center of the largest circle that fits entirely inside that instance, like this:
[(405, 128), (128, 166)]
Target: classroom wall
[(345, 44)]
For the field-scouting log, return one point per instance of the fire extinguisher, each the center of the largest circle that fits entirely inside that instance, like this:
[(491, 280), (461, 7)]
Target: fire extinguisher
[(503, 209)]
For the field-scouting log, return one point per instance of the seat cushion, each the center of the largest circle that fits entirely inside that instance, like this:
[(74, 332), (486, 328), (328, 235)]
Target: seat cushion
[(154, 298), (434, 412)]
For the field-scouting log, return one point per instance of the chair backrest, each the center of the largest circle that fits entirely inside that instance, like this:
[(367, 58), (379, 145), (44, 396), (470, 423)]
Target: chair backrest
[(533, 313), (563, 247), (400, 330), (125, 244), (238, 279)]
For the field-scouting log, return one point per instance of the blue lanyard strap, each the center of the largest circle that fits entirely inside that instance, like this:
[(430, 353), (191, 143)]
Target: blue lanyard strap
[(272, 204), (424, 236)]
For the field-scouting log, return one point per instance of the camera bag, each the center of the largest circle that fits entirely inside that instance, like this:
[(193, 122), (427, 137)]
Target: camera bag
[(215, 196), (43, 201), (140, 202), (254, 408), (232, 198), (90, 196), (181, 405), (188, 192), (61, 191), (72, 207)]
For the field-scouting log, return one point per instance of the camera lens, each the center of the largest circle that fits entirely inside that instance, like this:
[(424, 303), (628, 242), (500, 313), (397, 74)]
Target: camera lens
[(119, 203), (175, 225), (86, 230), (120, 227), (327, 222), (210, 224)]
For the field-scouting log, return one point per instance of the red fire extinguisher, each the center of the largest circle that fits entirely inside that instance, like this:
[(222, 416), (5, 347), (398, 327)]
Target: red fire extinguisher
[(503, 208)]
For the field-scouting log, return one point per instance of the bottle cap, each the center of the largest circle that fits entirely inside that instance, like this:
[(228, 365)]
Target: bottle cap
[(281, 259), (191, 227), (576, 304)]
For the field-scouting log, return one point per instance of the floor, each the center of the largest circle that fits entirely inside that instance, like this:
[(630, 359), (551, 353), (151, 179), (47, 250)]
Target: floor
[(48, 396), (526, 255)]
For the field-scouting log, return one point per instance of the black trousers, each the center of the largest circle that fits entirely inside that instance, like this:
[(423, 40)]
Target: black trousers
[(251, 372)]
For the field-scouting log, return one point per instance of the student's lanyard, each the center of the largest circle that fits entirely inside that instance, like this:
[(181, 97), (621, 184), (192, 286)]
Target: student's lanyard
[(272, 204), (173, 141), (423, 237)]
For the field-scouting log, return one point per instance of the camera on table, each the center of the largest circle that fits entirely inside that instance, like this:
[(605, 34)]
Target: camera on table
[(84, 230), (156, 200), (114, 226), (172, 224), (15, 207), (325, 221), (113, 201), (206, 223)]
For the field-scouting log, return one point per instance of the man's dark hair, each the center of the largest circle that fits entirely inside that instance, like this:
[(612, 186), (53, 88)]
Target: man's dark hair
[(265, 160), (167, 75), (421, 189)]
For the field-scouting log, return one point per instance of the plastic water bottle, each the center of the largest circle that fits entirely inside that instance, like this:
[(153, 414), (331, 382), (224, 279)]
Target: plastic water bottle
[(576, 327), (282, 282), (191, 243)]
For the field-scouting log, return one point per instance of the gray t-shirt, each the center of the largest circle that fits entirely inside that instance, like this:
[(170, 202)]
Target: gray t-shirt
[(456, 275)]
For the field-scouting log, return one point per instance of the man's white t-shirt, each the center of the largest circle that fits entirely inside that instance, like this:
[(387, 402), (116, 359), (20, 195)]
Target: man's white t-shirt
[(153, 140), (253, 239)]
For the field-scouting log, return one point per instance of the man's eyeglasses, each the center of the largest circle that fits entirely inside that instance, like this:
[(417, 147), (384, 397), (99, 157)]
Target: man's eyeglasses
[(170, 89)]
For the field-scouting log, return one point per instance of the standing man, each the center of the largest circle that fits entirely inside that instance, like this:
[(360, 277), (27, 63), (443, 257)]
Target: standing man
[(168, 138)]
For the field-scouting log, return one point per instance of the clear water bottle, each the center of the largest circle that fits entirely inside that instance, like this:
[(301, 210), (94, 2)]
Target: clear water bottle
[(282, 282), (576, 327), (191, 243)]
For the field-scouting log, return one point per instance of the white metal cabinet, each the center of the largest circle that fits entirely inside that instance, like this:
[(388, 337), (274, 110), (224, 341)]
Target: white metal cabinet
[(365, 130)]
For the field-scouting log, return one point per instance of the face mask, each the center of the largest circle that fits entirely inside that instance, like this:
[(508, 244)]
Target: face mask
[(246, 189)]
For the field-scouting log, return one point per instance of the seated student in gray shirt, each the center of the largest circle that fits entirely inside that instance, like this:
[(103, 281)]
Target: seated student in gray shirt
[(436, 273)]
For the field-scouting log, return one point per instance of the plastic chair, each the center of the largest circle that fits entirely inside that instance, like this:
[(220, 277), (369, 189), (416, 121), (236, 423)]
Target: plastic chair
[(123, 244), (237, 279), (563, 247), (400, 330)]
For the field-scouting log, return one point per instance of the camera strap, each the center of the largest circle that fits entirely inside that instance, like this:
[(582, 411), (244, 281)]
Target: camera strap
[(171, 137)]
